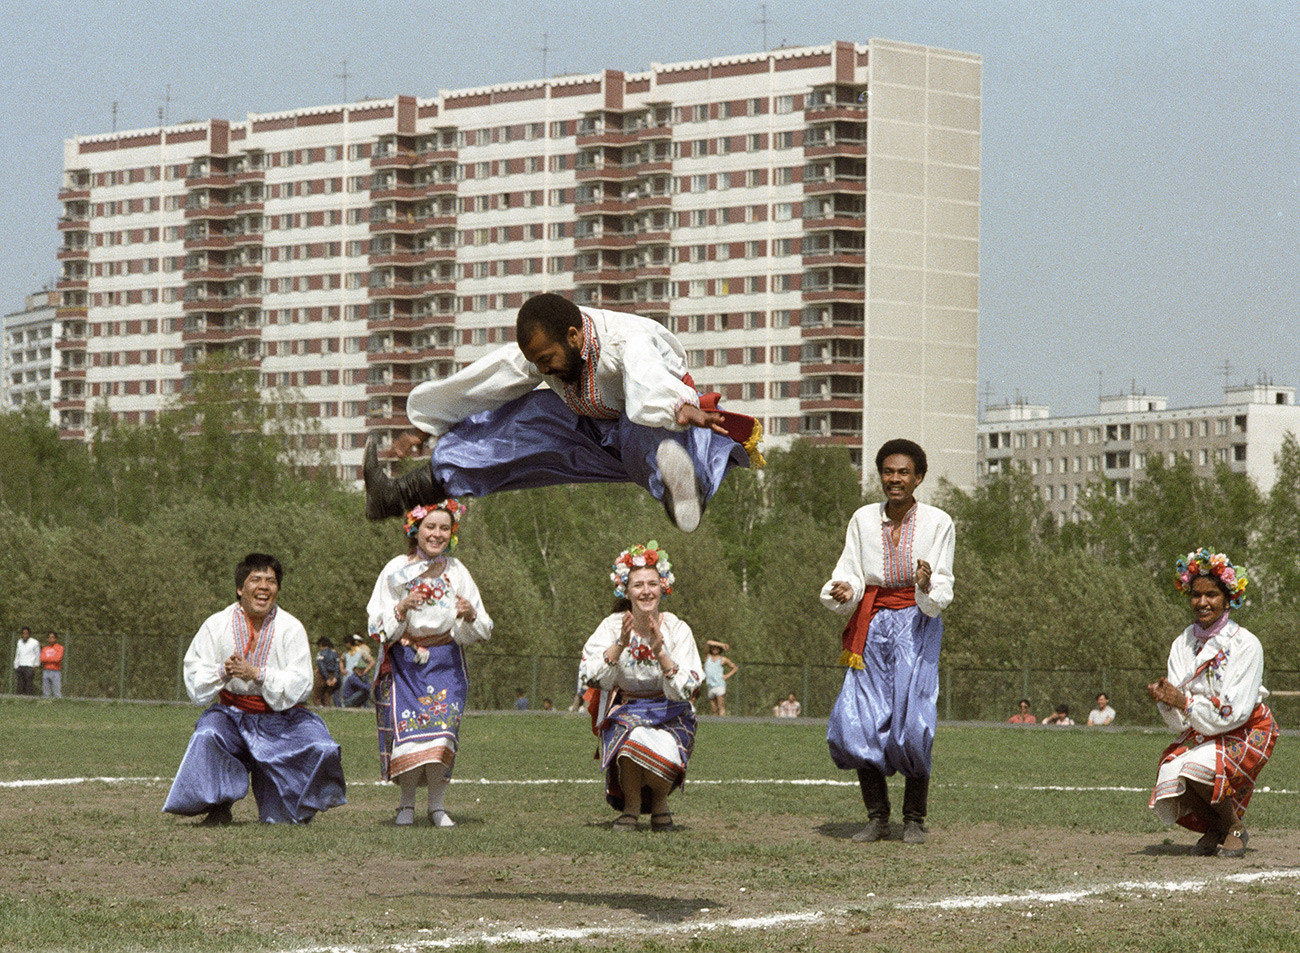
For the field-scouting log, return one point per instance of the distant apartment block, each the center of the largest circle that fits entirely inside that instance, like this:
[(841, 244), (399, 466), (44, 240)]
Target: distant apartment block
[(29, 339), (806, 220), (1064, 454)]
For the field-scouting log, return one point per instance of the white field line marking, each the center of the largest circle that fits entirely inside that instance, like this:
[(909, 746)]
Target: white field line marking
[(711, 782), (809, 918), (1083, 893), (523, 935)]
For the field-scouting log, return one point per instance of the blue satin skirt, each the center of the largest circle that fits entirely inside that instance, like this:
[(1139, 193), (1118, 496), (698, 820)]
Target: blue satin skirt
[(536, 440), (887, 711), (294, 762)]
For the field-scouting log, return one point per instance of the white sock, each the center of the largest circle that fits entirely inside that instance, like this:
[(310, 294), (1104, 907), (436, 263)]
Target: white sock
[(436, 776), (407, 783)]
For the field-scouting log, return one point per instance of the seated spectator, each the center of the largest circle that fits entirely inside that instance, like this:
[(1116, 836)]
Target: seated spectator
[(521, 700), (1103, 714), (1059, 717), (357, 665), (548, 705), (1024, 716), (788, 707), (330, 671)]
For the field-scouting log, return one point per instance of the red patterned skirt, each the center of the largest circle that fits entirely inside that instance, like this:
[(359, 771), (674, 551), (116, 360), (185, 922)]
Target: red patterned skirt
[(1238, 756)]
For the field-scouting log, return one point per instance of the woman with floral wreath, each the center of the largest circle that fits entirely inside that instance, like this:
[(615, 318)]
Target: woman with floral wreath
[(1212, 694), (424, 609), (648, 669)]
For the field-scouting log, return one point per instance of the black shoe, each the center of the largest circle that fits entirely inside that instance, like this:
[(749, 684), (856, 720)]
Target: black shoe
[(219, 816), (682, 497), (387, 497)]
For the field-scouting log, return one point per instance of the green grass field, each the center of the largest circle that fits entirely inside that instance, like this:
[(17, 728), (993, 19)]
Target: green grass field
[(97, 866)]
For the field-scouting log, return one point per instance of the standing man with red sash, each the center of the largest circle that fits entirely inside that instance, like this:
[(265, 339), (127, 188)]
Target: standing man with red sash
[(895, 577), (251, 662)]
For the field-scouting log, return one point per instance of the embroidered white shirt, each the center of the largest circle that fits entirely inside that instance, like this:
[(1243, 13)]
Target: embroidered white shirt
[(639, 372)]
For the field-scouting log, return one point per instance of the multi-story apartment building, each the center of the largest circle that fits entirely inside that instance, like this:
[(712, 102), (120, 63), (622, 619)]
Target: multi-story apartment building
[(1063, 455), (806, 220), (29, 338)]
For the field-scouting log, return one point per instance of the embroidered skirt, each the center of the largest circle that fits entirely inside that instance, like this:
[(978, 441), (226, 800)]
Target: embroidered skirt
[(655, 733), (886, 712), (1230, 761), (419, 707)]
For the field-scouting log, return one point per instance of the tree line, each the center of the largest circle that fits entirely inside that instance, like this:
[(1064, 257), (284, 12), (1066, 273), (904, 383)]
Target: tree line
[(138, 531)]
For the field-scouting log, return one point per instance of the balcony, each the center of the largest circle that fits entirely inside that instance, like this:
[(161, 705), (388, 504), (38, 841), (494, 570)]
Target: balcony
[(74, 224), (74, 194), (606, 276), (647, 133), (218, 211), (611, 241), (220, 335), (397, 160), (843, 184), (607, 173), (606, 137), (212, 180), (848, 295), (74, 254), (412, 289), (849, 148), (219, 304), (606, 206)]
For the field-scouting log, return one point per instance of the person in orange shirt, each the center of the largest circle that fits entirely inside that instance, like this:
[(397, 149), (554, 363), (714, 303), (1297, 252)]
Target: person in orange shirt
[(52, 663)]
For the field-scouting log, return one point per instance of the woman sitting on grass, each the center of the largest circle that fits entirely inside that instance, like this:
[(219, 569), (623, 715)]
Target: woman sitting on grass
[(647, 666), (1213, 695)]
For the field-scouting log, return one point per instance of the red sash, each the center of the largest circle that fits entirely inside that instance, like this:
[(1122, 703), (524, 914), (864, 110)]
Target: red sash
[(250, 703), (742, 428), (874, 599)]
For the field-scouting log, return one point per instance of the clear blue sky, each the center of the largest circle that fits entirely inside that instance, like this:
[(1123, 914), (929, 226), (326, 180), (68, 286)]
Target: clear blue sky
[(1141, 159)]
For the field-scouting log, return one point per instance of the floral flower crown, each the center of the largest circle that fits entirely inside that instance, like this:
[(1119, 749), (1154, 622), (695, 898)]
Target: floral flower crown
[(1205, 563), (453, 508), (637, 557)]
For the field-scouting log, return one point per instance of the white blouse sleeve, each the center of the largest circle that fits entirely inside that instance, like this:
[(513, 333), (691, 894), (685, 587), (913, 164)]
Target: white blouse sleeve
[(593, 669), (686, 656), (384, 625), (480, 629), (494, 379), (940, 559), (652, 392), (203, 662), (287, 678), (848, 569), (1225, 700)]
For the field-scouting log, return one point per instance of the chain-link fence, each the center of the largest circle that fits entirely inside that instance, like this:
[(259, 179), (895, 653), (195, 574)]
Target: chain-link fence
[(149, 667)]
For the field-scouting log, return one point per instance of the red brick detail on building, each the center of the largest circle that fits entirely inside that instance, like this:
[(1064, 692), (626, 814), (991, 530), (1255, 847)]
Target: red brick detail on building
[(741, 69), (405, 110), (519, 95), (637, 86), (271, 125), (364, 113), (467, 102), (845, 62), (806, 61), (682, 75), (219, 137), (614, 82), (428, 111), (321, 119)]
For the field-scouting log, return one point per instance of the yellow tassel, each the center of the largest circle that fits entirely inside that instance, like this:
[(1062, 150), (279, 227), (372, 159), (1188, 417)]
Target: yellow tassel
[(851, 660), (751, 446)]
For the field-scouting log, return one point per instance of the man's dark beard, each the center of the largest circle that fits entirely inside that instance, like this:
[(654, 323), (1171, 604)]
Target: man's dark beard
[(576, 365)]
